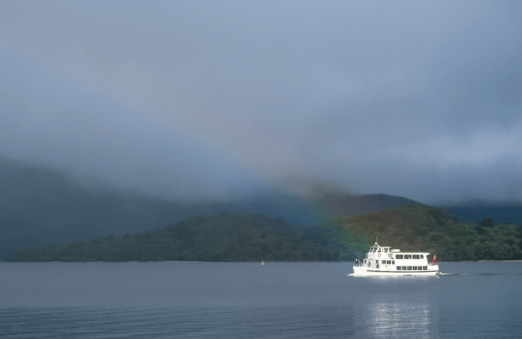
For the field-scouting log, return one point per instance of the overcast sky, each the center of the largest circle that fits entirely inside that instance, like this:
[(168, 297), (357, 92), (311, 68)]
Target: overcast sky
[(214, 99)]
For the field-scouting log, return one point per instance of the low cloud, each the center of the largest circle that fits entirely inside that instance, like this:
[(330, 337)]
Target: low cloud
[(213, 100)]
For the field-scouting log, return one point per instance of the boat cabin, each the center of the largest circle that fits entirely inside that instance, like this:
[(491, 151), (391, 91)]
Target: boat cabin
[(385, 258)]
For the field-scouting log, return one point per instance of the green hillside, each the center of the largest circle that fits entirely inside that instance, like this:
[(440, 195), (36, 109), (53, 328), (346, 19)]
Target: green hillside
[(429, 229), (227, 237)]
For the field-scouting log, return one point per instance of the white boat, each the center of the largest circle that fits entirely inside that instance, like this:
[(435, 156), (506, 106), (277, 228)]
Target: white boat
[(382, 260)]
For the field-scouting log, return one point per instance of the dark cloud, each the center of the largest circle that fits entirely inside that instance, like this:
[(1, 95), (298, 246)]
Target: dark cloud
[(212, 99)]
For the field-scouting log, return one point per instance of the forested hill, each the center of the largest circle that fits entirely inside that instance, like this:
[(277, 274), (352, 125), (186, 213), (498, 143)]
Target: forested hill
[(430, 229), (223, 237), (229, 237)]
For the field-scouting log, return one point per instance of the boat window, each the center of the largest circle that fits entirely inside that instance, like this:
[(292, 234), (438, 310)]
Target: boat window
[(393, 262), (398, 268), (407, 256), (415, 256), (398, 256), (409, 268), (403, 268), (422, 256), (383, 262), (425, 268)]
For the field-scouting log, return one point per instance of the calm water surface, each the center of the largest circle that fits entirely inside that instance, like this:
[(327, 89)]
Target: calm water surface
[(247, 300)]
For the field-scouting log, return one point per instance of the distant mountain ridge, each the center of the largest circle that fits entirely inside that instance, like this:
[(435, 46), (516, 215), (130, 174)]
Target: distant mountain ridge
[(475, 211)]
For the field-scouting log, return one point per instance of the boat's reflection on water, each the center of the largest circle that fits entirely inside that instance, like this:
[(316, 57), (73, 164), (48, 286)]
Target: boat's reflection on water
[(397, 306), (398, 319)]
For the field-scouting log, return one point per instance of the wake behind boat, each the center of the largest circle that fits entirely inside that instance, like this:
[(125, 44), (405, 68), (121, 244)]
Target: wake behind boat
[(382, 260)]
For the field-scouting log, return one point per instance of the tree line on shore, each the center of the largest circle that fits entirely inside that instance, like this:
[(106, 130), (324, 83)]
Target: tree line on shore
[(233, 237)]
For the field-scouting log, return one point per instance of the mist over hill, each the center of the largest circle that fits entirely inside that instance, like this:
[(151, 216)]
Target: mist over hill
[(41, 205)]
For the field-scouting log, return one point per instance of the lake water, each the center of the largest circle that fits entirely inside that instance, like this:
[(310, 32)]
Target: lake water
[(247, 300)]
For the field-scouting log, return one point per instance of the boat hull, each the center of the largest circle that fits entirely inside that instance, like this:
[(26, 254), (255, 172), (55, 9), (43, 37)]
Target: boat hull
[(365, 271)]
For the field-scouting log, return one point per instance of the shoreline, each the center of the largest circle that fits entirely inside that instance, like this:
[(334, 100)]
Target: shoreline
[(222, 262)]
